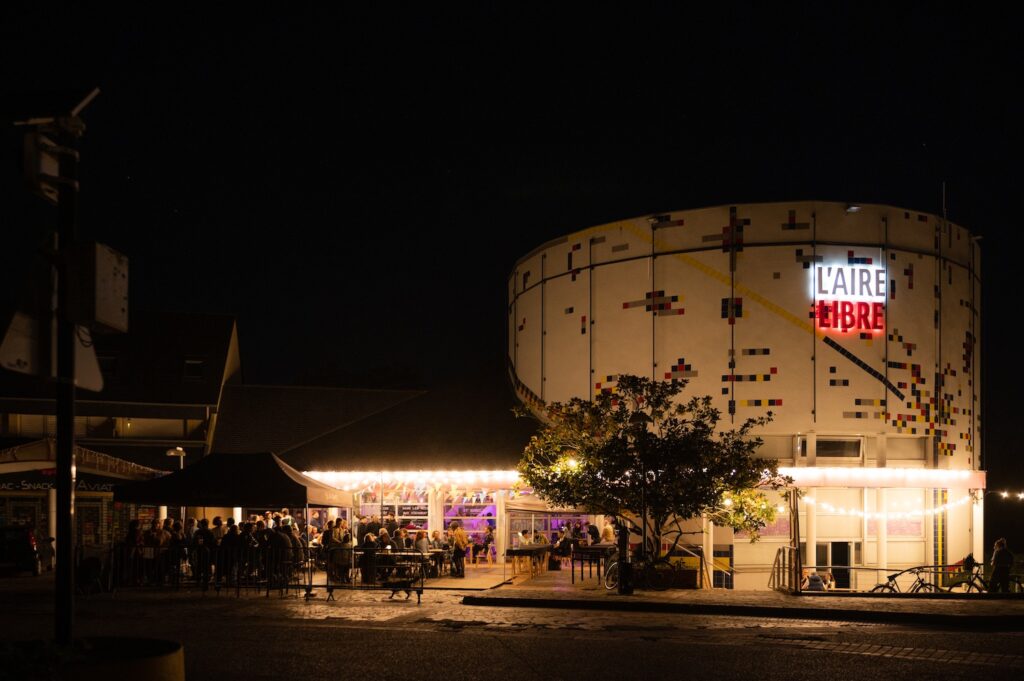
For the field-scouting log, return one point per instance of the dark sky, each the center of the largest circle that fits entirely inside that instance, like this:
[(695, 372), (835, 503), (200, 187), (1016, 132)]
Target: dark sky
[(356, 185)]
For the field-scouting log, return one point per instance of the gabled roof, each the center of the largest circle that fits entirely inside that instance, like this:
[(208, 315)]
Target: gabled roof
[(253, 479), (468, 426), (149, 368), (279, 418)]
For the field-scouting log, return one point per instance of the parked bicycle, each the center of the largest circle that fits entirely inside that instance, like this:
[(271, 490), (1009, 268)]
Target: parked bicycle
[(920, 585), (973, 581)]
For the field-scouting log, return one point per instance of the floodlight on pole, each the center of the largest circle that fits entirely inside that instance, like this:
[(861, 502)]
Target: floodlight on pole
[(180, 453)]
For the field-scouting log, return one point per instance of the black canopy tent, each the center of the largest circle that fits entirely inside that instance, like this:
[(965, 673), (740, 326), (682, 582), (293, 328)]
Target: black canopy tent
[(228, 480)]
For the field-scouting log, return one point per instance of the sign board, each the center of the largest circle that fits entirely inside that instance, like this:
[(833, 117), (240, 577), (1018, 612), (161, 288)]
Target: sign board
[(849, 297), (19, 351)]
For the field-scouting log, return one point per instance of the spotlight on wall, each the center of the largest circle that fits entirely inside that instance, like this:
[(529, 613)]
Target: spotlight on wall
[(852, 208)]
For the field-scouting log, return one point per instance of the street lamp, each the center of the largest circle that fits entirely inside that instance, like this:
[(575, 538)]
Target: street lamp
[(180, 453)]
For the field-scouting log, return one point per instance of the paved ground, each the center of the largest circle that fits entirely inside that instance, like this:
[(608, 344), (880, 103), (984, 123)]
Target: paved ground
[(363, 634), (554, 589)]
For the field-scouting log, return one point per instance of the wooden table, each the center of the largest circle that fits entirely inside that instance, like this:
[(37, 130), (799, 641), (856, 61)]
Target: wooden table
[(589, 555), (537, 553)]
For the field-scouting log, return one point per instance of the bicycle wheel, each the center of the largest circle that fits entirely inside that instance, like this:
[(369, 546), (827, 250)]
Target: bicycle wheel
[(927, 588), (883, 589), (974, 587), (611, 576)]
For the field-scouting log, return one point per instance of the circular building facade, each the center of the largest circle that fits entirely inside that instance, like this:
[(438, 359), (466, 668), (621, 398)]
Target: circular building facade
[(856, 326)]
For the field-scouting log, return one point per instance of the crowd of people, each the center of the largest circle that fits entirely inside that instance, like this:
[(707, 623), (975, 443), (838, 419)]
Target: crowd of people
[(224, 550), (215, 549), (570, 535)]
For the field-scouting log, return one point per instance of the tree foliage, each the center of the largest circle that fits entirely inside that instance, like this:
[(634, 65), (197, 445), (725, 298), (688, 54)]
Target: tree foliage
[(641, 447)]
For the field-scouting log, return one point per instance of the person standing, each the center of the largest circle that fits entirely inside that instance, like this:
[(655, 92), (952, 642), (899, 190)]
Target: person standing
[(373, 527), (459, 541), (1002, 561), (608, 531), (390, 524)]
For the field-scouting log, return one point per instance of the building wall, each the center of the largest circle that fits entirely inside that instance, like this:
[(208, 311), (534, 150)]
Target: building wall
[(726, 298), (742, 301)]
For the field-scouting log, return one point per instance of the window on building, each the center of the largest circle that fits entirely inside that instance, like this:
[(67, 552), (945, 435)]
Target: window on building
[(834, 447)]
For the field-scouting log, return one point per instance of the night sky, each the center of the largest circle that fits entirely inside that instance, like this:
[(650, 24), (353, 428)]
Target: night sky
[(356, 187)]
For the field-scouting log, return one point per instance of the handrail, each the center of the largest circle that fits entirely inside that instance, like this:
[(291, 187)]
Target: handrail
[(784, 575)]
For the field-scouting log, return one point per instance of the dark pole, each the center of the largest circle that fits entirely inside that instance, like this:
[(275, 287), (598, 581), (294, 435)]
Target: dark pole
[(643, 504), (625, 566), (67, 199)]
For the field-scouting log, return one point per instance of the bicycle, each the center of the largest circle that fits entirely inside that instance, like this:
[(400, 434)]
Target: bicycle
[(919, 585), (975, 583), (657, 574)]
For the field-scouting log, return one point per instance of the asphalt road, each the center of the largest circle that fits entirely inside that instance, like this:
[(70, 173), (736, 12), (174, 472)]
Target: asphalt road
[(365, 636)]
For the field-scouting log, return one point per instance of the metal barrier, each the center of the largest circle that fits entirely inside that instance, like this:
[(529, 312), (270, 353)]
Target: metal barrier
[(896, 579), (259, 569)]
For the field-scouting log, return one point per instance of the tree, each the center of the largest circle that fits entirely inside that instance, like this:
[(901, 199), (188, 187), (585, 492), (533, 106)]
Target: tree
[(641, 448)]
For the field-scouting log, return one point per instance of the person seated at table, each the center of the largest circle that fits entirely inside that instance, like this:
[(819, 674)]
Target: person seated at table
[(402, 540), (812, 581), (524, 538), (385, 542), (422, 544), (484, 545), (436, 540), (539, 538), (562, 546)]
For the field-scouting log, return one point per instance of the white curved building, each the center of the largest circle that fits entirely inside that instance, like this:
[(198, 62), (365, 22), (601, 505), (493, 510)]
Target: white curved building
[(856, 326)]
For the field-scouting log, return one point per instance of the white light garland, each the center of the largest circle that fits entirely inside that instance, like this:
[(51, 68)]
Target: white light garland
[(840, 476), (895, 515), (360, 480)]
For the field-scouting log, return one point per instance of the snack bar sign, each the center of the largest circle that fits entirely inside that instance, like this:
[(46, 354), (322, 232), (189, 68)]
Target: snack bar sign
[(849, 297)]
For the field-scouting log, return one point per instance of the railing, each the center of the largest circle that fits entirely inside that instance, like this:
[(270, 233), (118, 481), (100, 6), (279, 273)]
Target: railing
[(860, 579), (785, 574), (258, 569)]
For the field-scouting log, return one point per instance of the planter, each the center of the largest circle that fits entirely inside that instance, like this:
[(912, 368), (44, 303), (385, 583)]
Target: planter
[(684, 579)]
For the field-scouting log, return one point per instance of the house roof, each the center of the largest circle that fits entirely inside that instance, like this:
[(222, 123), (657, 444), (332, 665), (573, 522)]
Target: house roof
[(147, 367), (279, 418), (464, 426), (251, 479)]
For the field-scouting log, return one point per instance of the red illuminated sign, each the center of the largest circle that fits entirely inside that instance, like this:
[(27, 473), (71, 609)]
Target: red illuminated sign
[(848, 315), (849, 297)]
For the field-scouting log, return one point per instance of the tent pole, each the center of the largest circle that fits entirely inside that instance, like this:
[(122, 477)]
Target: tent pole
[(309, 556)]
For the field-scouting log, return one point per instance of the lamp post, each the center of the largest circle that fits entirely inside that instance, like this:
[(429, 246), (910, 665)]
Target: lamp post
[(180, 453)]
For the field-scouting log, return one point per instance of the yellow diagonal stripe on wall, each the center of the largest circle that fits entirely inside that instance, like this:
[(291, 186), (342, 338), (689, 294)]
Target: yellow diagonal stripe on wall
[(721, 277)]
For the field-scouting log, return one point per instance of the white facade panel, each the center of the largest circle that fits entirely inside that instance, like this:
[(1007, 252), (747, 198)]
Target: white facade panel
[(567, 327), (528, 324), (687, 346), (622, 325)]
